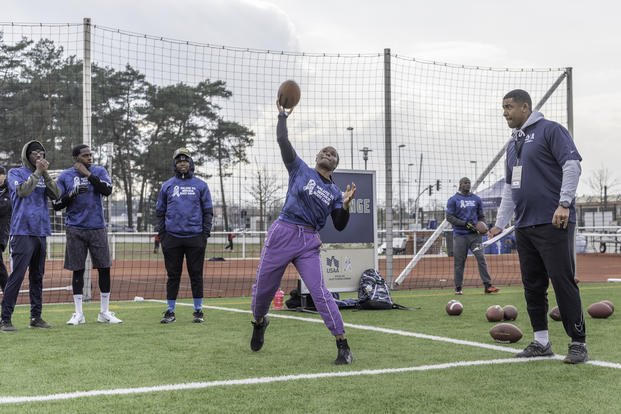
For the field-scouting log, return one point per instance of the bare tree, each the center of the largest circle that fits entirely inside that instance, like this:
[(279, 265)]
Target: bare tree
[(265, 190), (602, 182)]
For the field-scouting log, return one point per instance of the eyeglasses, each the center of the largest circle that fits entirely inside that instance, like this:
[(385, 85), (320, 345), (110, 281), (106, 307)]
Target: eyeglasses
[(38, 152)]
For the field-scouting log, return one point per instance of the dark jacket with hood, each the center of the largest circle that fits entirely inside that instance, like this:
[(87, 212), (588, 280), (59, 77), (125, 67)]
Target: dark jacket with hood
[(29, 190), (184, 207), (5, 214)]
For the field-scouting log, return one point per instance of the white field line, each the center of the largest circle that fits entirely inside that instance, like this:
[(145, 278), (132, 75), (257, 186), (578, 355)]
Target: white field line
[(253, 381)]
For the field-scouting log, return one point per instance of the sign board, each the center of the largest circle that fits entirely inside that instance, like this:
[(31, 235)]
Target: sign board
[(343, 259)]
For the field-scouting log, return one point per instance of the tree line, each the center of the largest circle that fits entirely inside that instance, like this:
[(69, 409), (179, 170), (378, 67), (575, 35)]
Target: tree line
[(41, 98)]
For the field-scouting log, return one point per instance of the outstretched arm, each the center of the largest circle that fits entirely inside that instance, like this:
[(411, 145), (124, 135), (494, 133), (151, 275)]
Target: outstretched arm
[(282, 135)]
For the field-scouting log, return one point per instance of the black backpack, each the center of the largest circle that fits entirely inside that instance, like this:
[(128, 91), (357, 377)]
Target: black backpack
[(373, 292)]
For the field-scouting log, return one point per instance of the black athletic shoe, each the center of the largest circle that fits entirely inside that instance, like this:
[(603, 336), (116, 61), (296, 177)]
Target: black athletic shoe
[(7, 326), (258, 332), (39, 323), (577, 353), (169, 317), (534, 350), (198, 315), (344, 356)]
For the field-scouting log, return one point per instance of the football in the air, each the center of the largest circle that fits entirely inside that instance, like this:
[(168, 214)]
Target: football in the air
[(609, 303), (289, 94), (506, 333), (494, 313), (481, 227), (555, 314), (454, 308), (599, 310), (510, 313)]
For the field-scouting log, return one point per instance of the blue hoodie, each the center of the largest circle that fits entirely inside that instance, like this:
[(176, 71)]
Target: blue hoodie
[(184, 206), (31, 214), (464, 208), (546, 147)]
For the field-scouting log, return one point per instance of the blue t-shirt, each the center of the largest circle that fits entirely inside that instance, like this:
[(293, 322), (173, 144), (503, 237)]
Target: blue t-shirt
[(309, 199), (464, 207), (182, 202), (546, 148), (86, 210), (31, 215)]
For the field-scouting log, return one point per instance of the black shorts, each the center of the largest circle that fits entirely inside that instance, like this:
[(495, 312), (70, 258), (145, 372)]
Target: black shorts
[(81, 241)]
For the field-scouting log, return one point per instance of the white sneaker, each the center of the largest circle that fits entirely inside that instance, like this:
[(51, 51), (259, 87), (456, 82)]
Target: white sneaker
[(76, 319), (108, 317)]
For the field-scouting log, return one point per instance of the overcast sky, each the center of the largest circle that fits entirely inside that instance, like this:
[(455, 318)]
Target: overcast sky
[(551, 33)]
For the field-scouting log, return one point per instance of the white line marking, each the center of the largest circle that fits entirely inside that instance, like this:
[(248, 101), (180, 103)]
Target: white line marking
[(253, 381)]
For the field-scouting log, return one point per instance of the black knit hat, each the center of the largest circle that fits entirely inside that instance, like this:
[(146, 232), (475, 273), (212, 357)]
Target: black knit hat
[(34, 146), (2, 170)]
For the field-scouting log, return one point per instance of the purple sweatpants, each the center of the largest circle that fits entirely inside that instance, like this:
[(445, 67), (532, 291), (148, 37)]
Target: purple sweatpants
[(289, 243)]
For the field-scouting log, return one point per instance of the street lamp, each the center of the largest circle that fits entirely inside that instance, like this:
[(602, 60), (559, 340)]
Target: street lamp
[(351, 145), (365, 155), (399, 187), (476, 177), (409, 185)]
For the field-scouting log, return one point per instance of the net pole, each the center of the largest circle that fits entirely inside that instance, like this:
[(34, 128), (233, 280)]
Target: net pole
[(388, 164), (86, 127), (570, 101)]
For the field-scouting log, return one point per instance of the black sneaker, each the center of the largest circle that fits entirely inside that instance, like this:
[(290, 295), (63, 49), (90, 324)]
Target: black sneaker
[(39, 323), (258, 332), (7, 326), (577, 353), (534, 350), (169, 317), (198, 315), (344, 356)]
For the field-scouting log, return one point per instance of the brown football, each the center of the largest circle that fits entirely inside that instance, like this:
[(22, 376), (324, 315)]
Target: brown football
[(506, 333), (510, 313), (289, 94), (494, 313), (454, 308), (555, 314), (481, 227), (599, 310)]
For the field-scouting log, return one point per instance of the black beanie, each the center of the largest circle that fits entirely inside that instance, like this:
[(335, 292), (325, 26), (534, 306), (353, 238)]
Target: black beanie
[(2, 170), (34, 146)]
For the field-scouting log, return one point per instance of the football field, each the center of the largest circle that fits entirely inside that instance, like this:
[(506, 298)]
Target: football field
[(417, 360)]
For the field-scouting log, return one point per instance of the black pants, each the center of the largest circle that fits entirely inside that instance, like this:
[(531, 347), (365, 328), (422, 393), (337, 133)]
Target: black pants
[(547, 254), (4, 275), (27, 252), (174, 250)]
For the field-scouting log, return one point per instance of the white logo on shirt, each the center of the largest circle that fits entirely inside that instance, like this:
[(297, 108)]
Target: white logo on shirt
[(176, 191), (310, 186)]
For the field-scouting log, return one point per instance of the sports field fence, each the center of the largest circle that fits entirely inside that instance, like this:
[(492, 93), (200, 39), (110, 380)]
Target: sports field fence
[(135, 98)]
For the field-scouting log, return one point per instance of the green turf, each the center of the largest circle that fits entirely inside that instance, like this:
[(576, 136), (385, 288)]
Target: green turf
[(143, 353)]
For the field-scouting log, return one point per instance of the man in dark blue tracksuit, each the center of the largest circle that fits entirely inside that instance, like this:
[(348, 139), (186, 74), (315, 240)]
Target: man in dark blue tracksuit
[(464, 210), (29, 186), (542, 174)]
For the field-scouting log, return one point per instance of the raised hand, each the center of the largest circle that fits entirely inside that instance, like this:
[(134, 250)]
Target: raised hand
[(349, 193)]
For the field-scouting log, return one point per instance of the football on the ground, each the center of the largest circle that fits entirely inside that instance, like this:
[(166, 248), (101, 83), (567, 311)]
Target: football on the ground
[(510, 313), (555, 314), (506, 333), (609, 303), (288, 94), (494, 313), (599, 310), (481, 227), (454, 308)]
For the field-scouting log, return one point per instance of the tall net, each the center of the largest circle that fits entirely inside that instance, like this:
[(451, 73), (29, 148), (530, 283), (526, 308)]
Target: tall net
[(151, 95)]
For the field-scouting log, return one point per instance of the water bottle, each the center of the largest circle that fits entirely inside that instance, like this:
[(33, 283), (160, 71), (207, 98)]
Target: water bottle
[(279, 298)]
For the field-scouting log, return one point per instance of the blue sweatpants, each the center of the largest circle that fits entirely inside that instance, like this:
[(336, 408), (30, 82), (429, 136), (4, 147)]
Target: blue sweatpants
[(289, 243), (27, 252)]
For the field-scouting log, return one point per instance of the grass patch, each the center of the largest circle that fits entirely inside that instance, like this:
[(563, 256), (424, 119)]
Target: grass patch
[(141, 352)]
